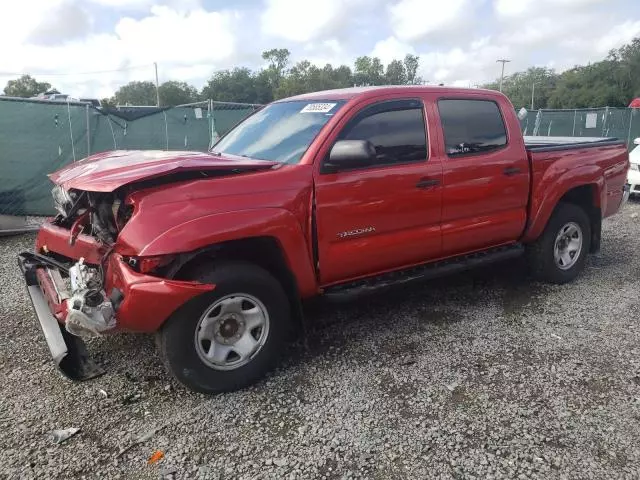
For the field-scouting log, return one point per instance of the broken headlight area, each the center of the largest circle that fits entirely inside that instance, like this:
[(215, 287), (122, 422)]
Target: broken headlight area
[(150, 265), (100, 215), (63, 200), (89, 311)]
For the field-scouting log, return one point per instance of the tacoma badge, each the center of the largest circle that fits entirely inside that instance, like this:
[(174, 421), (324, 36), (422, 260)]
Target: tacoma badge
[(356, 232)]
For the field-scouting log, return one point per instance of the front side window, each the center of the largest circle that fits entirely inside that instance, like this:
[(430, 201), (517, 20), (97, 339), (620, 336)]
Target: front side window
[(471, 126), (396, 129), (280, 132)]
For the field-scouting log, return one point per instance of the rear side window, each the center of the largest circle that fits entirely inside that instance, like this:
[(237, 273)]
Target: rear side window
[(395, 128), (471, 126)]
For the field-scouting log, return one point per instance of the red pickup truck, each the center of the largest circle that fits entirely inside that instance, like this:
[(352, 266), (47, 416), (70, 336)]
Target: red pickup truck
[(327, 194)]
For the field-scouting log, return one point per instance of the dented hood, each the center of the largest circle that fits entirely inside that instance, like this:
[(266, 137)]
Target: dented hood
[(105, 172)]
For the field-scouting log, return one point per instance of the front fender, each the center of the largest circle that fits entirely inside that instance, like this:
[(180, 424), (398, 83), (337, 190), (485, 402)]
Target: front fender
[(553, 186), (221, 227)]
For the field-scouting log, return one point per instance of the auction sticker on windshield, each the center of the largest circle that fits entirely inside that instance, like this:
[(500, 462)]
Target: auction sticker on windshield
[(318, 108)]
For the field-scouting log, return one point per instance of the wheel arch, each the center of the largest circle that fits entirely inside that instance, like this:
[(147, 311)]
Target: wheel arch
[(263, 251), (587, 196)]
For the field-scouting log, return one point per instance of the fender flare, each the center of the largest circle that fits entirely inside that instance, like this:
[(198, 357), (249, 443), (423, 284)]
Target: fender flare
[(210, 230), (555, 185)]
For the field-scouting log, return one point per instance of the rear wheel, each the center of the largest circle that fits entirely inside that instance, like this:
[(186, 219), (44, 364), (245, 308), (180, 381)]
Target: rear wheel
[(229, 338), (560, 253)]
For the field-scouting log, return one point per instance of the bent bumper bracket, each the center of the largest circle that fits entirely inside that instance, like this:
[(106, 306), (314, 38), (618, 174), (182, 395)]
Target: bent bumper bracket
[(68, 351)]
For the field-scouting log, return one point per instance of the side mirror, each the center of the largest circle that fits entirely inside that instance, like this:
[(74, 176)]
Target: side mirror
[(636, 141), (348, 154)]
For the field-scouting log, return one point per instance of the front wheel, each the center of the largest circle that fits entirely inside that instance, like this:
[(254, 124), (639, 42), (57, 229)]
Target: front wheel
[(560, 253), (229, 338)]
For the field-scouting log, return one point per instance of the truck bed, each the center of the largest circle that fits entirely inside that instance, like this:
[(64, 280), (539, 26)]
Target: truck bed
[(542, 144)]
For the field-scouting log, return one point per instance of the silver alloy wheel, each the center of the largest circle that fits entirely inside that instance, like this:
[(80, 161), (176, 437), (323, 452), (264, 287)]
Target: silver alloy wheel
[(232, 331), (568, 246)]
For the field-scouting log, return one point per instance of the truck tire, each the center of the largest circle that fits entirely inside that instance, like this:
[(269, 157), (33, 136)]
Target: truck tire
[(559, 254), (229, 338)]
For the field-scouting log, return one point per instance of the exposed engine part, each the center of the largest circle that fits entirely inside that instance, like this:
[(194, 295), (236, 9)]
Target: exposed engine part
[(95, 213), (83, 277), (62, 200), (89, 311)]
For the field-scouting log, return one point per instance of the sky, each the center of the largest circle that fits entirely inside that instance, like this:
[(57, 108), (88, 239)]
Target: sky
[(90, 47)]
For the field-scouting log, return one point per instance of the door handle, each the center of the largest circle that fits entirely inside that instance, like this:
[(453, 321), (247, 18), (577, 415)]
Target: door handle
[(510, 171), (427, 183)]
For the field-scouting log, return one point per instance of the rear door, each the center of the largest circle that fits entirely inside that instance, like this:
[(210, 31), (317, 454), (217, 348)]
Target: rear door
[(485, 176), (387, 215)]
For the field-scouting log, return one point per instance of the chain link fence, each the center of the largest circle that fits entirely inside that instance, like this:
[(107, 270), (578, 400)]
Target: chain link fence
[(622, 123), (38, 137)]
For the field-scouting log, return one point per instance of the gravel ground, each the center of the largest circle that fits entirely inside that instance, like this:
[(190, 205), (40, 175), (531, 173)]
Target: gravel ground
[(483, 375)]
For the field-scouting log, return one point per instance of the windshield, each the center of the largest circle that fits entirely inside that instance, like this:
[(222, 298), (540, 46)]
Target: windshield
[(280, 132)]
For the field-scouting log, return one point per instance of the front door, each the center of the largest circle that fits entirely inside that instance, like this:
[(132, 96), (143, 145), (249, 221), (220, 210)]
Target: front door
[(385, 216)]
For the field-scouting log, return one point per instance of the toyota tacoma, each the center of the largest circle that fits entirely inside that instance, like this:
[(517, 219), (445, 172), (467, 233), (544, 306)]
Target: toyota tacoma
[(333, 194)]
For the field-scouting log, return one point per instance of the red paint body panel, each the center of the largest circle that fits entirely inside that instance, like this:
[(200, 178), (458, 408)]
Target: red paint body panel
[(148, 301), (406, 219), (482, 207), (104, 172), (555, 173), (52, 238), (474, 207)]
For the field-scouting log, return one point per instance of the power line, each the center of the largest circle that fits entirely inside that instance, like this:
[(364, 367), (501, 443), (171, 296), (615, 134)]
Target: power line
[(62, 74)]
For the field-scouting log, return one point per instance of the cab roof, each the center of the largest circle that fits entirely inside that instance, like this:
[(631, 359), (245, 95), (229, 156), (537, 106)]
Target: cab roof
[(349, 93)]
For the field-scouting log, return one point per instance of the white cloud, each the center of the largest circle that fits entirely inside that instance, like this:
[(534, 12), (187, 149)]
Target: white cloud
[(123, 4), (194, 43), (170, 36), (458, 41), (618, 36), (301, 21), (132, 5), (462, 66), (417, 19), (391, 49), (520, 8), (64, 22)]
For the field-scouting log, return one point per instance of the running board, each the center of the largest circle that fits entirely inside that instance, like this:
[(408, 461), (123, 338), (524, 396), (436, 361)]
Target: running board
[(423, 272)]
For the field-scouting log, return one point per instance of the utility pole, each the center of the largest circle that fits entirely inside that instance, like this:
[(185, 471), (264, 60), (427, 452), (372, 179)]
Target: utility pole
[(533, 94), (502, 61), (155, 65)]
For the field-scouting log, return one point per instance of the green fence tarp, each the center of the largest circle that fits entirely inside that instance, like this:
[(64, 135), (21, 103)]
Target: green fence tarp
[(39, 137), (622, 123)]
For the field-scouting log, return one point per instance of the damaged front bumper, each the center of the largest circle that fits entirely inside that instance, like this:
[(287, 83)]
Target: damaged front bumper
[(128, 301), (68, 351)]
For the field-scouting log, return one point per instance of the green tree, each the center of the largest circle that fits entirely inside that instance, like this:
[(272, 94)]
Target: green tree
[(411, 64), (26, 86), (174, 93), (368, 71), (629, 58), (237, 85), (305, 77), (396, 73), (136, 93), (597, 85), (278, 59), (519, 87), (613, 81), (108, 102)]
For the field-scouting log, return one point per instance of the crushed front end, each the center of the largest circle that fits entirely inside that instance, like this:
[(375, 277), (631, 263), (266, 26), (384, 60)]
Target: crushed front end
[(81, 287)]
